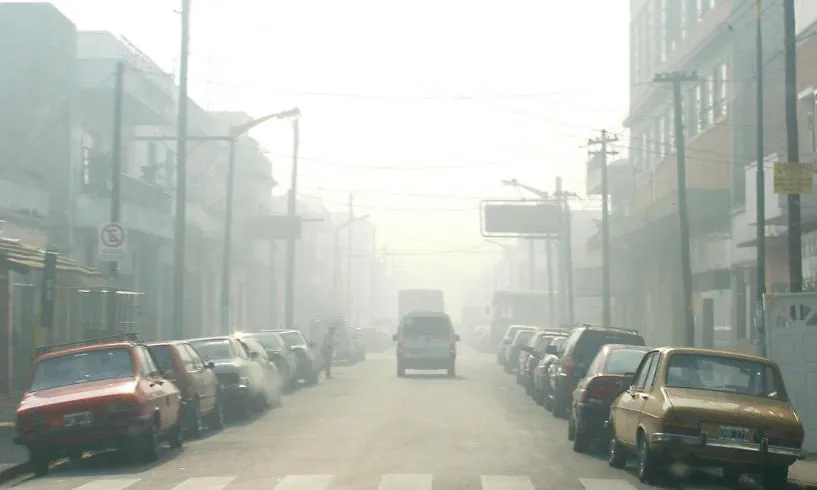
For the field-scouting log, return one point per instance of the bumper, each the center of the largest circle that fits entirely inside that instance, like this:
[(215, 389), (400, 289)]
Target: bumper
[(235, 394), (701, 449), (425, 363), (592, 418), (97, 436)]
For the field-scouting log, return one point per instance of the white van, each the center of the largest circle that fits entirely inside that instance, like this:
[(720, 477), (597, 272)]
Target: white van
[(426, 340)]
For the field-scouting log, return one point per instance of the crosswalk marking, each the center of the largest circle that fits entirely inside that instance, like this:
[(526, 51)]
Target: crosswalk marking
[(305, 482), (109, 484), (405, 482), (506, 482), (605, 484), (205, 483)]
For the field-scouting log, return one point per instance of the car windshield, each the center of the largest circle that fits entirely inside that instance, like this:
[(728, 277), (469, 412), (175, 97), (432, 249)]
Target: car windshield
[(427, 325), (622, 361), (213, 349), (162, 357), (293, 338), (82, 367), (592, 341), (523, 337), (269, 340), (542, 342), (723, 373)]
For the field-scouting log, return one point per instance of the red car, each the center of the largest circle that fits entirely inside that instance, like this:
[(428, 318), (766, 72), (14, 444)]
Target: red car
[(105, 394), (612, 367)]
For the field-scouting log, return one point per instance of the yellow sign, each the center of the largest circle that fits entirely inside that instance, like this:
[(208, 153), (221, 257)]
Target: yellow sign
[(792, 178)]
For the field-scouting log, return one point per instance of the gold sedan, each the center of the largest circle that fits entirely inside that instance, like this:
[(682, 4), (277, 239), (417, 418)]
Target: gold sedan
[(704, 407)]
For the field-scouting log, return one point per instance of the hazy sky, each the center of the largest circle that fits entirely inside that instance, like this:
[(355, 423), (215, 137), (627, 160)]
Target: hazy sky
[(420, 107)]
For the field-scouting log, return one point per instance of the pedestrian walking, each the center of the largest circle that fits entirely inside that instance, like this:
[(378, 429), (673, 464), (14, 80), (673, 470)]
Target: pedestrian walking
[(328, 350)]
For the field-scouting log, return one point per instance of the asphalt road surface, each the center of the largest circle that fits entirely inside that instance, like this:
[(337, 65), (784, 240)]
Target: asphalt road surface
[(369, 430)]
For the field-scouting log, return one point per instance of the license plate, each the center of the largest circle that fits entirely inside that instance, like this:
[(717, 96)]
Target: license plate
[(80, 418), (733, 433)]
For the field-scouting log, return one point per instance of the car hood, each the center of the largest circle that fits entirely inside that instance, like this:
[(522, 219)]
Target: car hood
[(709, 404), (79, 392)]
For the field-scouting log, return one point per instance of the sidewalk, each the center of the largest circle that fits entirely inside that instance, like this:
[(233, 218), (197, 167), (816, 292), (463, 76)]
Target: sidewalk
[(11, 455), (805, 472)]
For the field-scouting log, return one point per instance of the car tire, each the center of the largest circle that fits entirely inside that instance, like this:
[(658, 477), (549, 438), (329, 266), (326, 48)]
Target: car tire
[(557, 408), (647, 461), (401, 371), (192, 422), (617, 454), (215, 419), (176, 436), (775, 477), (40, 462), (571, 428), (539, 398), (150, 444), (581, 440), (452, 370)]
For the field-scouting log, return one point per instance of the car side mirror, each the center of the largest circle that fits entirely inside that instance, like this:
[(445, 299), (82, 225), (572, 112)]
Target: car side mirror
[(551, 349), (394, 338), (210, 365)]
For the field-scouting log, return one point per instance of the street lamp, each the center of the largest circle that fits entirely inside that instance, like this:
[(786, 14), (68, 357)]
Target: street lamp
[(226, 277)]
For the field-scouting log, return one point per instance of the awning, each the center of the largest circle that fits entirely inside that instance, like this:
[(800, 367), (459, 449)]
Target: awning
[(21, 258)]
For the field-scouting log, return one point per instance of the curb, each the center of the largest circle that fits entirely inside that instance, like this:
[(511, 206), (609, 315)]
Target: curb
[(14, 471)]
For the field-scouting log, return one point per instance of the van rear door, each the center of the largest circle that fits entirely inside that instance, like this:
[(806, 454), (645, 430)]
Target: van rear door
[(427, 337)]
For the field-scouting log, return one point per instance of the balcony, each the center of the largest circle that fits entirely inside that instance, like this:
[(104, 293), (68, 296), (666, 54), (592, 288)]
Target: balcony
[(149, 92), (22, 200), (146, 208)]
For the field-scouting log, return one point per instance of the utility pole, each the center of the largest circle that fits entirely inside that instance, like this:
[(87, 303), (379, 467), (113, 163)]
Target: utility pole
[(292, 212), (607, 306), (568, 253), (676, 79), (227, 259), (116, 186), (760, 192), (792, 148), (349, 243), (551, 296), (181, 180)]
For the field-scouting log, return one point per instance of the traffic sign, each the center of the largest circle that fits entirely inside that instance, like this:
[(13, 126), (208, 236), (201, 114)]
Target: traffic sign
[(111, 243)]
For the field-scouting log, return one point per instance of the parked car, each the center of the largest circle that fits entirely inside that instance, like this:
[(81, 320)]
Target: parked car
[(507, 339), (515, 348), (578, 351), (607, 374), (243, 382), (105, 393), (197, 382), (705, 407), (541, 390), (273, 382), (532, 354), (280, 353), (308, 359)]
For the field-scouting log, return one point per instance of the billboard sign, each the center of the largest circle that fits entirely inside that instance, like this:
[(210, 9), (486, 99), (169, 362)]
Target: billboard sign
[(521, 218)]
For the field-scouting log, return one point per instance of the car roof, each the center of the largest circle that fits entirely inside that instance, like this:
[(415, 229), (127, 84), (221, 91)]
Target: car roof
[(85, 348), (715, 352), (205, 339), (604, 328)]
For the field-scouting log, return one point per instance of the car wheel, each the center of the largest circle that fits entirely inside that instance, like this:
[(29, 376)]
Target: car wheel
[(617, 455), (215, 419), (581, 440), (571, 428), (40, 462), (452, 370), (176, 436), (150, 444), (539, 398), (775, 477), (647, 461), (557, 408), (193, 419), (401, 371), (548, 402)]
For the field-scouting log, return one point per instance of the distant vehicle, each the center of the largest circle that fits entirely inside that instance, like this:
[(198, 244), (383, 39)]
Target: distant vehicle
[(409, 300), (426, 341), (518, 308)]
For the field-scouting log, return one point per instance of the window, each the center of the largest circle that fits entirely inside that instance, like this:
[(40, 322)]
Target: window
[(187, 361), (163, 357), (682, 19), (146, 364), (661, 32), (698, 102), (623, 361), (653, 369), (214, 349), (725, 374), (82, 367), (646, 365), (724, 86), (196, 361)]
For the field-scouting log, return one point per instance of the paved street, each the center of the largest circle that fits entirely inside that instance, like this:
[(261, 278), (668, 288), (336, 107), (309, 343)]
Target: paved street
[(367, 429)]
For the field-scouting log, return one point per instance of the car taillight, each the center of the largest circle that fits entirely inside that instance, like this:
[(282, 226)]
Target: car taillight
[(567, 365), (675, 423), (602, 388)]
